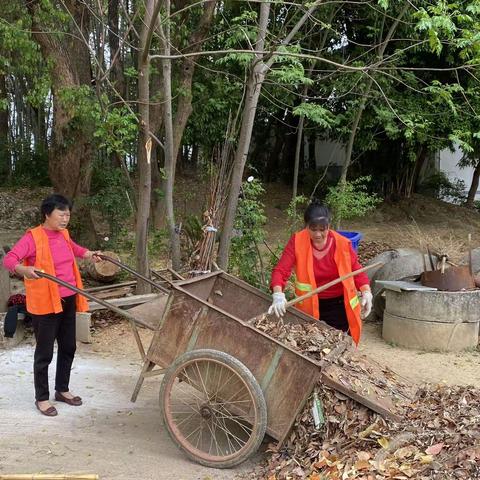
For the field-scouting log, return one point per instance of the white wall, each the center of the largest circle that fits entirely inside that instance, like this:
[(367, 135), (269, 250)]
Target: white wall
[(448, 164), (328, 152)]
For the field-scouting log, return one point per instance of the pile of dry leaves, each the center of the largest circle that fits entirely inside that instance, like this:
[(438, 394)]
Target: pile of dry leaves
[(437, 435), (369, 250), (438, 439), (105, 318), (306, 338)]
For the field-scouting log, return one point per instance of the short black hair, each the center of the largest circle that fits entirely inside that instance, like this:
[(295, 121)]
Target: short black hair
[(317, 212), (50, 203)]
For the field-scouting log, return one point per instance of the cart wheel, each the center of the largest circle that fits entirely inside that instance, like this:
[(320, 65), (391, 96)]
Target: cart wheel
[(213, 408)]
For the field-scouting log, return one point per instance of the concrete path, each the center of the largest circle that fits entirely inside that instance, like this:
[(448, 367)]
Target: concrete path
[(108, 435)]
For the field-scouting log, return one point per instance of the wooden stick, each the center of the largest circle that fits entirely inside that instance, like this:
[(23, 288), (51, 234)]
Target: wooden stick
[(322, 288), (49, 476), (332, 283)]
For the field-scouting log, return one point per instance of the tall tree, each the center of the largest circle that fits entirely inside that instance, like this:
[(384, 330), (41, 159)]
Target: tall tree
[(70, 155), (259, 67), (144, 143)]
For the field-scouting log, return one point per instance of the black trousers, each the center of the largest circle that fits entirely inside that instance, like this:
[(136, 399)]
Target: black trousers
[(332, 312), (48, 328)]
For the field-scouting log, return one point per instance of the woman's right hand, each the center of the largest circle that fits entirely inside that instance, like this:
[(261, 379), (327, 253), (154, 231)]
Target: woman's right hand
[(27, 272), (279, 304)]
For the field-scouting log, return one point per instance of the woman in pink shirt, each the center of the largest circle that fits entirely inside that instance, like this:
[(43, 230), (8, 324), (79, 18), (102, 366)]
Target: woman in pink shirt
[(53, 310)]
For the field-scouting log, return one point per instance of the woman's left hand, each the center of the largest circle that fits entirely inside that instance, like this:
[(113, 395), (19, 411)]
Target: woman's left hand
[(366, 303), (93, 256)]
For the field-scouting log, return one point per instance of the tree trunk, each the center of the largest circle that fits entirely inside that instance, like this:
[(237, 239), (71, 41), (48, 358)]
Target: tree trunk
[(4, 156), (117, 75), (169, 147), (184, 105), (187, 69), (156, 125), (298, 148), (70, 154), (419, 163), (254, 86), (470, 203), (144, 150)]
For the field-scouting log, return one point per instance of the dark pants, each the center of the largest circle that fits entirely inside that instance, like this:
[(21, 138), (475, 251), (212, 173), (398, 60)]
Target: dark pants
[(48, 328), (332, 312)]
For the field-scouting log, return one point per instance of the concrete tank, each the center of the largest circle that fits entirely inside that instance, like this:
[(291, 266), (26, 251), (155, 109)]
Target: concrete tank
[(432, 320)]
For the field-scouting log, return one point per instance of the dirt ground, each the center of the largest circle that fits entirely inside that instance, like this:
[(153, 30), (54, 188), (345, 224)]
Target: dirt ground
[(120, 440), (107, 435)]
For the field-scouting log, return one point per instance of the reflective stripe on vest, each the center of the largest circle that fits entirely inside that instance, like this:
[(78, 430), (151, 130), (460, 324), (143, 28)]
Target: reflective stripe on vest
[(303, 287)]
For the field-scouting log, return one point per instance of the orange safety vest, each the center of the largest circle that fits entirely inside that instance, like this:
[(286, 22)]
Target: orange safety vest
[(43, 296), (305, 281)]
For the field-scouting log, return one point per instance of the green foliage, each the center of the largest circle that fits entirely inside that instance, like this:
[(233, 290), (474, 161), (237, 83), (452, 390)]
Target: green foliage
[(193, 231), (317, 114), (83, 109), (30, 169), (117, 131), (242, 34), (245, 256), (438, 185), (158, 243), (295, 212), (351, 199), (111, 196), (289, 70)]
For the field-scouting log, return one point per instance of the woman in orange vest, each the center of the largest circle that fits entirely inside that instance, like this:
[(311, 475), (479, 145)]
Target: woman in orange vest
[(319, 255), (53, 308)]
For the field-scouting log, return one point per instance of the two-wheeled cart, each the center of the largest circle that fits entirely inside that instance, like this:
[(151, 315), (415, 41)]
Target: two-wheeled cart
[(225, 382)]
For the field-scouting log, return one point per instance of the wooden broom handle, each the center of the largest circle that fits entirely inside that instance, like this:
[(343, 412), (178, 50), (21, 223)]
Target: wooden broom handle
[(333, 282), (49, 476)]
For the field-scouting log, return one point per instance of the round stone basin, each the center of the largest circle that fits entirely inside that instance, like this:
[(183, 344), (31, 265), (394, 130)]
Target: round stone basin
[(432, 320)]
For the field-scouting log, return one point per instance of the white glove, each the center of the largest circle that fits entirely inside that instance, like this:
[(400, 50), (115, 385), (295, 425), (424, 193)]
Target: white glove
[(366, 303), (279, 304)]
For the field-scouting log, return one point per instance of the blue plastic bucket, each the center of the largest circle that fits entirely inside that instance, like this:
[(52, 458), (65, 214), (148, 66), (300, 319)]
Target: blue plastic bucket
[(354, 237)]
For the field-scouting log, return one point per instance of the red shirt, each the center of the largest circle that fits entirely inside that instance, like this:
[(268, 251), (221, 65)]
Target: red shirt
[(324, 268)]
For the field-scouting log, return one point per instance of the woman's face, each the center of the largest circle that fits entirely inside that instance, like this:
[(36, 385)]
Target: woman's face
[(57, 220), (318, 234)]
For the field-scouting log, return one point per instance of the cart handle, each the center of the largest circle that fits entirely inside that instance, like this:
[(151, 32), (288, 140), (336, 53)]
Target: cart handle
[(88, 295), (132, 271)]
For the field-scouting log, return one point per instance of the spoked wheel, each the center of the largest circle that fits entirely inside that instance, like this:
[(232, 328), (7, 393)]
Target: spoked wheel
[(213, 408)]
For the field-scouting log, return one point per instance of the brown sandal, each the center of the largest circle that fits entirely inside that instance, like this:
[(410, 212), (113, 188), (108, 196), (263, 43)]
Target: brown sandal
[(51, 411), (75, 401)]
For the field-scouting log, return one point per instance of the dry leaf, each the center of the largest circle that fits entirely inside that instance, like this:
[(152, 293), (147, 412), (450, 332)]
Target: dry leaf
[(384, 442), (434, 449)]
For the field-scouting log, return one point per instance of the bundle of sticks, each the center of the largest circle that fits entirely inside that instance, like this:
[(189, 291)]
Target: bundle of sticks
[(201, 260)]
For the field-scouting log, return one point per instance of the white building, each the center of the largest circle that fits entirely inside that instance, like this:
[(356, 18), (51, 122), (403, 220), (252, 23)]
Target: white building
[(448, 163), (333, 153)]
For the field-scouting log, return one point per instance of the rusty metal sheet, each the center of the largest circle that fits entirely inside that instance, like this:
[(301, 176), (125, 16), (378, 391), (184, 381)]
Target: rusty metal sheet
[(176, 329), (453, 279), (235, 298), (200, 286), (151, 312)]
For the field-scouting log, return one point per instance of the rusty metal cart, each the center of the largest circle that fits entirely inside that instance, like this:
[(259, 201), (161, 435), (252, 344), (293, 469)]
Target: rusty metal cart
[(226, 383)]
